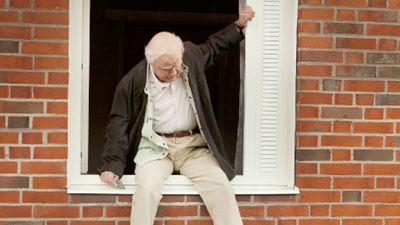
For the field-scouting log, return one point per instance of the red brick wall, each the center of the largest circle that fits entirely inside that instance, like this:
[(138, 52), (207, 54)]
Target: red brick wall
[(348, 123)]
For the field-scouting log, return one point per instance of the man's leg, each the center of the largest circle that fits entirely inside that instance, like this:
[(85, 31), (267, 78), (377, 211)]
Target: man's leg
[(214, 187), (150, 179)]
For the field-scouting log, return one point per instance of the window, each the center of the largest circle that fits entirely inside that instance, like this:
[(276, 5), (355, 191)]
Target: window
[(269, 96)]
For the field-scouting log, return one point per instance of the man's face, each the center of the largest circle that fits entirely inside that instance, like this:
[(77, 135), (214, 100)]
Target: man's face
[(167, 67)]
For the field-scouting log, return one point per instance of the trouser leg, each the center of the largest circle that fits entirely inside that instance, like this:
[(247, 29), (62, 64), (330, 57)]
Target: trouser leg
[(213, 186), (150, 179)]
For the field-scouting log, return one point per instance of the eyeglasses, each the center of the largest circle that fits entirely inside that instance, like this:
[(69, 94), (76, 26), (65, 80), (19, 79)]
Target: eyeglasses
[(170, 69)]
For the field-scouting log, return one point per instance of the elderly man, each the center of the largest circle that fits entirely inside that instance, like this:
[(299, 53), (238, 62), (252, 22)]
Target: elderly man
[(162, 112)]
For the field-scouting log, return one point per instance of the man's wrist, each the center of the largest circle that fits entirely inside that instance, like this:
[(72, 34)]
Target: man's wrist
[(238, 25)]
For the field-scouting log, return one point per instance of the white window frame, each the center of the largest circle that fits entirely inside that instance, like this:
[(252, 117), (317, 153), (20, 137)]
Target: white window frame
[(260, 69)]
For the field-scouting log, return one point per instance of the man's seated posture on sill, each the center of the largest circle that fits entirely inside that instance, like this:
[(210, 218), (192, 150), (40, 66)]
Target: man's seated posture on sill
[(162, 112)]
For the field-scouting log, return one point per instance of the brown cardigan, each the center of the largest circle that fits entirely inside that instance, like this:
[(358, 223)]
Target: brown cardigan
[(123, 132)]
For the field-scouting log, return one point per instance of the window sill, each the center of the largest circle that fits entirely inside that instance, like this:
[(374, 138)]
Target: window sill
[(179, 185)]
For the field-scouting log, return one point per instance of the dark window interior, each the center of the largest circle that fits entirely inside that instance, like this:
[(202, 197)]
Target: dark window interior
[(119, 30)]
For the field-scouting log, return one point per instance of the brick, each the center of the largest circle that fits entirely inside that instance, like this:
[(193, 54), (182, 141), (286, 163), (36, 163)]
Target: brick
[(393, 113), (320, 56), (21, 107), (343, 28), (58, 78), (387, 44), (313, 182), (16, 62), (356, 43), (49, 48), (393, 86), (57, 107), (44, 167), (307, 141), (387, 210), (387, 16), (15, 32), (340, 168), (49, 123), (352, 210), (49, 182), (307, 84), (14, 182), (389, 72), (177, 211), (373, 141), (382, 197), (275, 198), (310, 2), (392, 221), (92, 211), (341, 155), (313, 98), (381, 169), (319, 210), (288, 210), (20, 153), (314, 70), (8, 137), (58, 63), (355, 71), (251, 211), (364, 99), (353, 183), (44, 197), (377, 3), (39, 17), (4, 92), (382, 29), (313, 155), (373, 113), (94, 199), (387, 99), (343, 99), (9, 197), (9, 46), (392, 141), (353, 58), (385, 183), (331, 85), (20, 3), (174, 222), (32, 138), (21, 77), (9, 17), (341, 112), (383, 58), (21, 92), (313, 126), (199, 222), (320, 196), (18, 122), (50, 152), (350, 3), (57, 138), (55, 211), (51, 33), (51, 4), (309, 27), (342, 126), (307, 112), (345, 14), (369, 127), (315, 13), (394, 4), (359, 221), (2, 153), (173, 198), (50, 93), (319, 221), (94, 222), (315, 42), (306, 168), (351, 196), (15, 211)]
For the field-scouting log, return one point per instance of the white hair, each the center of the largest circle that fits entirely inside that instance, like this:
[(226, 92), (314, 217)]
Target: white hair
[(163, 43)]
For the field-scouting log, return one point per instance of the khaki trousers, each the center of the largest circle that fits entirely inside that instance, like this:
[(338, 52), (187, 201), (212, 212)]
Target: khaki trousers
[(191, 157)]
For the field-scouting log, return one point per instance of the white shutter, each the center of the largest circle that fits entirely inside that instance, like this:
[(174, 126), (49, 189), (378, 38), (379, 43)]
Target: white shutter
[(269, 92)]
